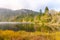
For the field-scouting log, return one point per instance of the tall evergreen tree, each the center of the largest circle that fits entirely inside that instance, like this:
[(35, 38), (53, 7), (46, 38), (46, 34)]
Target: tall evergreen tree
[(40, 11), (46, 9)]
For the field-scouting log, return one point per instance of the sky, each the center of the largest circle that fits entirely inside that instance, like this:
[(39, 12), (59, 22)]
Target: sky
[(35, 5)]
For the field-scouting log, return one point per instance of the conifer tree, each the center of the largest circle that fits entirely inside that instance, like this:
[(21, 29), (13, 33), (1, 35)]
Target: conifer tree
[(40, 11), (46, 9)]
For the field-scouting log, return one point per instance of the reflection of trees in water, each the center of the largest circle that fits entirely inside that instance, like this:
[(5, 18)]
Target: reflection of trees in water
[(30, 27)]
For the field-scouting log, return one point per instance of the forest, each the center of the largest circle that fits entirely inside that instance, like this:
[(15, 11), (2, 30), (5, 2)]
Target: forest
[(39, 26)]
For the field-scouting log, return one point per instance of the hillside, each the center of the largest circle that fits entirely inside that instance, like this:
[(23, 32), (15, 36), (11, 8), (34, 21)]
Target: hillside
[(47, 21), (26, 24), (7, 15)]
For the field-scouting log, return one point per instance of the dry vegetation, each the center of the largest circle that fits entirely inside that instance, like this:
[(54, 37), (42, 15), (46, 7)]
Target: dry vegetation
[(22, 35), (46, 27)]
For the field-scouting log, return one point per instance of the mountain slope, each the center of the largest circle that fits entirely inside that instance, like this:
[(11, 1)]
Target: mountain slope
[(8, 15)]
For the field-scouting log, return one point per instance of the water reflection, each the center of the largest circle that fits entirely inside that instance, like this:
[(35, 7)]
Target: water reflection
[(25, 26)]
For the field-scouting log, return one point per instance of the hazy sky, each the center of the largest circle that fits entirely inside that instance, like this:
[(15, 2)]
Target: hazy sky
[(30, 4)]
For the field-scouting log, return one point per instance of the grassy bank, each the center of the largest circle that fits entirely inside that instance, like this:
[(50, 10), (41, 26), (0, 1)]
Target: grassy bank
[(22, 35)]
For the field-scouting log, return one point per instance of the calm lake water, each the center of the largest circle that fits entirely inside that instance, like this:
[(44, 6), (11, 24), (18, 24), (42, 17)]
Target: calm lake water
[(14, 22), (15, 25)]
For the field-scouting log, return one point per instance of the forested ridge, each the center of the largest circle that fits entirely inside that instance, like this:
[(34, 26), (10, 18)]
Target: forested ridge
[(33, 25)]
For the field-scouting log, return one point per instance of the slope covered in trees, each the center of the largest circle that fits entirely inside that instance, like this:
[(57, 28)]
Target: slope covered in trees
[(33, 25), (47, 21)]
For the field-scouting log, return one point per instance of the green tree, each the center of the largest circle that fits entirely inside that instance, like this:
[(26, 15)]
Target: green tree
[(46, 9), (40, 12)]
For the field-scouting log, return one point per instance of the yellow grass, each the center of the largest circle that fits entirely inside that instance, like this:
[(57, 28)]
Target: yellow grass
[(22, 35)]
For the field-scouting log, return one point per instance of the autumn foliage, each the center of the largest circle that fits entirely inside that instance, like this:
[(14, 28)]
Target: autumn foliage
[(22, 35)]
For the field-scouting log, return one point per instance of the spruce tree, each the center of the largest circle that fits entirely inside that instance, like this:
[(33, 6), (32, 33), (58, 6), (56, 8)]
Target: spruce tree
[(46, 9)]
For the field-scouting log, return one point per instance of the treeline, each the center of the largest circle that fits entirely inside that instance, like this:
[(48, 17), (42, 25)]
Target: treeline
[(46, 21), (43, 21), (46, 16), (39, 17)]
